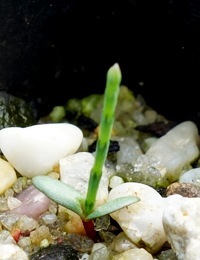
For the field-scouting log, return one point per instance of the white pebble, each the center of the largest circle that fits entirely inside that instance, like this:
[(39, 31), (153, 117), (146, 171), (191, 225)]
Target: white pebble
[(36, 150), (6, 237), (176, 149), (181, 221), (85, 256), (141, 221), (115, 181), (129, 150), (13, 202), (12, 252), (135, 253), (191, 176), (7, 176), (75, 171)]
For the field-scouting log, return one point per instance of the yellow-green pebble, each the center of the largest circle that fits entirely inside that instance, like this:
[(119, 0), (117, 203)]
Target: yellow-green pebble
[(7, 175)]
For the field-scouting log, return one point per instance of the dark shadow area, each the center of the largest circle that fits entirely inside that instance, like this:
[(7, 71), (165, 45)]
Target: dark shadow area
[(54, 50)]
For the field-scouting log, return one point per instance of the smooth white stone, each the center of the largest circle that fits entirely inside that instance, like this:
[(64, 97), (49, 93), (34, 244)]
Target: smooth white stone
[(12, 251), (115, 181), (141, 221), (176, 149), (135, 253), (191, 176), (75, 171), (85, 256), (181, 221), (6, 237), (36, 150), (7, 176)]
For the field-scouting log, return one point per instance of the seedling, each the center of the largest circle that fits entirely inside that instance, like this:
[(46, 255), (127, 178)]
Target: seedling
[(69, 197)]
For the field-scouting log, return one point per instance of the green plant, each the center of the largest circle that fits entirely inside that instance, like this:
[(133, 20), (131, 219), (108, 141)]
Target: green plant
[(72, 199)]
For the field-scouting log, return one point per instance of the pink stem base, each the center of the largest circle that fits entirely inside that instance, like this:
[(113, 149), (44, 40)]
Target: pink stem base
[(89, 229)]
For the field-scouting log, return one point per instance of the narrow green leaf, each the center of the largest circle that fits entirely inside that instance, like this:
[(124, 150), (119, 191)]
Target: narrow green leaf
[(113, 81), (60, 192), (112, 206)]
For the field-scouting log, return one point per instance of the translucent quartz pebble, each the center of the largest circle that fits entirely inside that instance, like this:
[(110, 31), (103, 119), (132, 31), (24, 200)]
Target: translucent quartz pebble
[(181, 221), (191, 176), (167, 254), (99, 251), (121, 243), (33, 203), (35, 150), (136, 253), (75, 171), (176, 149), (11, 251), (129, 150), (6, 237), (141, 221), (7, 176)]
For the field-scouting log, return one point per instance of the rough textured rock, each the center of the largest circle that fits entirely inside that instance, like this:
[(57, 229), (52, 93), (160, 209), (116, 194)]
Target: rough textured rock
[(189, 190), (14, 111), (181, 223)]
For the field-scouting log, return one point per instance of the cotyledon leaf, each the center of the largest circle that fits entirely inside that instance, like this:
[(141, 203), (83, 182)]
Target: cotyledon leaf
[(112, 205), (60, 192)]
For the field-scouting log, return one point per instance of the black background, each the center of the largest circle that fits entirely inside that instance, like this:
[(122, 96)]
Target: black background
[(54, 50)]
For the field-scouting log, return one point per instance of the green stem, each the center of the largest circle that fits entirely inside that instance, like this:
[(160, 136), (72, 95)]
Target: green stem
[(106, 124)]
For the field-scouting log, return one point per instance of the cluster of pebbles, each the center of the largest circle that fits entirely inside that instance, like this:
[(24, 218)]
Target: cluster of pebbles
[(149, 157)]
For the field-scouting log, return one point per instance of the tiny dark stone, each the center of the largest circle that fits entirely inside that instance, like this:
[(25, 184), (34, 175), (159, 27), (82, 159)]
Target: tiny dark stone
[(113, 147), (56, 252), (87, 123), (158, 128)]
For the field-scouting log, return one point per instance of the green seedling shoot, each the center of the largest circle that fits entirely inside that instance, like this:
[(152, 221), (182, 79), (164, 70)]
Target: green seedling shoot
[(69, 197)]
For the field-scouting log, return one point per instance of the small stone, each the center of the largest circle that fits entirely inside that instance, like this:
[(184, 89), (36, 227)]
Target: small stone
[(135, 253), (191, 176), (175, 150), (57, 251), (25, 244), (37, 149), (141, 221), (181, 221), (80, 243), (75, 171), (39, 234), (115, 181), (13, 202), (74, 224), (11, 251), (129, 150), (33, 203), (167, 254), (6, 237), (7, 176), (185, 189), (99, 251), (121, 243)]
